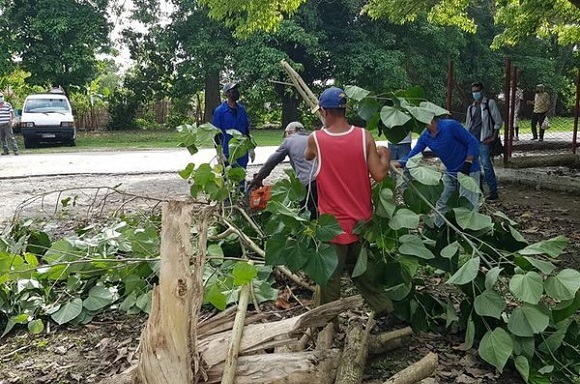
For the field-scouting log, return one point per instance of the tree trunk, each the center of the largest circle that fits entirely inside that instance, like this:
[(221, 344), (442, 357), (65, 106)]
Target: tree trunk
[(169, 352), (212, 94), (289, 108)]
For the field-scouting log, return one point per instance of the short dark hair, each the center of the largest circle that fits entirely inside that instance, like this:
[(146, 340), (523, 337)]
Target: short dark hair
[(338, 112), (477, 84)]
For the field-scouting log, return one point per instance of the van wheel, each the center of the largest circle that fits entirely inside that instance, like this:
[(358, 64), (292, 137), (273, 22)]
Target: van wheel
[(28, 143), (71, 143)]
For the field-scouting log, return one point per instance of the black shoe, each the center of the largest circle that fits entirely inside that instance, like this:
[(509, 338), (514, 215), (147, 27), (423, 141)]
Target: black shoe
[(534, 138), (5, 154), (492, 197)]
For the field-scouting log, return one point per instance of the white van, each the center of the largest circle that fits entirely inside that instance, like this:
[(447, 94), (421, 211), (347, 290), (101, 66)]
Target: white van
[(47, 117)]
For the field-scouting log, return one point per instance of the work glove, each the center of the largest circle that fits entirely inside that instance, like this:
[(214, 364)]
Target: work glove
[(255, 183), (466, 168), (252, 155)]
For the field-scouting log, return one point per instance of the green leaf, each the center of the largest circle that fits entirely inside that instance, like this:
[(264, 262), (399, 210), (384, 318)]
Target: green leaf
[(203, 175), (68, 311), (423, 115), (413, 193), (404, 218), (466, 273), (144, 301), (356, 93), (564, 285), (469, 334), (413, 246), (437, 110), (280, 209), (491, 277), (468, 183), (187, 171), (523, 366), (489, 303), (369, 108), (215, 251), (566, 308), (99, 298), (468, 219), (555, 340), (264, 291), (35, 326), (244, 273), (276, 250), (451, 314), (322, 264), (327, 227), (216, 298), (393, 117), (543, 266), (552, 247), (386, 203), (297, 253), (525, 346), (527, 320), (450, 250), (425, 175), (31, 259), (527, 288), (236, 174), (361, 263), (496, 347)]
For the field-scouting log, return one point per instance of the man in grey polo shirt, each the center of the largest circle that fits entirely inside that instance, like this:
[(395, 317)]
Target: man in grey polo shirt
[(293, 146), (6, 134)]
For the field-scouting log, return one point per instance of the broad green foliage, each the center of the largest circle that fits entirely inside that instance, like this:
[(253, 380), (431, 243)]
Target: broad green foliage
[(247, 16)]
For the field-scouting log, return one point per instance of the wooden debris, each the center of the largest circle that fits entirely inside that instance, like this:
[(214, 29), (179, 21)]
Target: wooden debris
[(417, 371)]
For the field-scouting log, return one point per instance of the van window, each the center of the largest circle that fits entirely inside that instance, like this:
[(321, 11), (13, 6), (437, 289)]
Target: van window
[(46, 106)]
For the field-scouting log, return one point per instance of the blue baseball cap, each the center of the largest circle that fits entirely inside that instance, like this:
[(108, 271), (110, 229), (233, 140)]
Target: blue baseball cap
[(333, 97)]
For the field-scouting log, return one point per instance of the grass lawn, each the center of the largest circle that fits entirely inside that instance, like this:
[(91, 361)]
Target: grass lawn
[(128, 140)]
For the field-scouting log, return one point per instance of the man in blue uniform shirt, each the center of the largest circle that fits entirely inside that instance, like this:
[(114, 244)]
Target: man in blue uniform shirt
[(458, 150), (231, 115)]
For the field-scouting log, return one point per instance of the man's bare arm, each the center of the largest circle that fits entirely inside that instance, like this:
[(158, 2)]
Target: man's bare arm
[(310, 152), (378, 159)]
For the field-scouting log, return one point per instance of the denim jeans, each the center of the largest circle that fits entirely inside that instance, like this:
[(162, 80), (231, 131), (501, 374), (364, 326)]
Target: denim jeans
[(450, 185), (487, 166), (399, 151)]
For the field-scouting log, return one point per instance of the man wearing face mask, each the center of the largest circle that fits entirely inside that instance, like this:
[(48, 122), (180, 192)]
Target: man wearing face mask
[(541, 107), (232, 115), (484, 121)]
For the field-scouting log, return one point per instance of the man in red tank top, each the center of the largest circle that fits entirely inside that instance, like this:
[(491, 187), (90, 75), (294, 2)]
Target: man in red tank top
[(346, 156)]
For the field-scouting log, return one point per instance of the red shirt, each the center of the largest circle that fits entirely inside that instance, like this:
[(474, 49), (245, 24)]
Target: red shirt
[(342, 179)]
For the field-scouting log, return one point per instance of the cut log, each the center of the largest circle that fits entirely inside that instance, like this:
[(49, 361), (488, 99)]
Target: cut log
[(281, 368), (354, 355), (214, 348), (388, 341), (168, 343), (417, 371)]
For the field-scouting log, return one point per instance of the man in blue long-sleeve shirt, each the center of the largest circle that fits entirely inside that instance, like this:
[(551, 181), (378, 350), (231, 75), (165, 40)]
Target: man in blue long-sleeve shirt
[(231, 115), (458, 150)]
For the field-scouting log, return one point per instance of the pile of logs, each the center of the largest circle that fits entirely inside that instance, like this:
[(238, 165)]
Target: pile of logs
[(233, 347)]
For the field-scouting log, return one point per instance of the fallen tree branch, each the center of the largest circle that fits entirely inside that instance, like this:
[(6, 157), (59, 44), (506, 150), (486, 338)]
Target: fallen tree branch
[(417, 371), (387, 341), (231, 363)]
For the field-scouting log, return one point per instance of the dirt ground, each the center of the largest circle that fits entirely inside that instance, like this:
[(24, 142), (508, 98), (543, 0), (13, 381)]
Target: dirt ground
[(108, 345)]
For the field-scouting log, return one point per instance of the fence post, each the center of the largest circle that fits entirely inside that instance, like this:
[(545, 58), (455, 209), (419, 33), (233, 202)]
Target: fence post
[(449, 85), (576, 112), (506, 92), (512, 113)]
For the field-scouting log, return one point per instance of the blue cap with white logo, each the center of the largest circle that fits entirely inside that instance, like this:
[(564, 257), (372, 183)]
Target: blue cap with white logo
[(333, 97)]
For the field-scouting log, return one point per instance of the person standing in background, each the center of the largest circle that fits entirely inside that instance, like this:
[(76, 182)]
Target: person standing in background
[(6, 133), (231, 114), (483, 121), (402, 148), (541, 105)]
